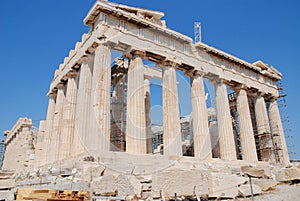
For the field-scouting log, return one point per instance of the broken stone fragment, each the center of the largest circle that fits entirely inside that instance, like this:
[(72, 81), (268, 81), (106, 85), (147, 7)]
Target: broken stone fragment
[(129, 185), (183, 183), (287, 174), (90, 173), (244, 190), (105, 186), (252, 171), (224, 185), (265, 184)]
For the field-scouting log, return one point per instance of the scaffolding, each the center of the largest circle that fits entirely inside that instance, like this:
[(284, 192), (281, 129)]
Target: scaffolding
[(268, 144), (2, 151), (235, 124), (197, 32), (285, 120), (118, 123)]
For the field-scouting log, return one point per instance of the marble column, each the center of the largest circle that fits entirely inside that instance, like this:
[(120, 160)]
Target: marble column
[(171, 118), (57, 123), (67, 133), (98, 140), (201, 136), (148, 115), (40, 152), (117, 132), (136, 137), (82, 113), (263, 130), (48, 129), (226, 136), (276, 128), (246, 129)]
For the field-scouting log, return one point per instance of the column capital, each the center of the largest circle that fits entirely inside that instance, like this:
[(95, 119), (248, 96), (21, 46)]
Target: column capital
[(101, 41), (51, 94), (85, 58), (132, 54), (167, 63), (271, 98), (137, 53), (197, 73), (60, 85), (72, 74), (239, 87), (219, 81)]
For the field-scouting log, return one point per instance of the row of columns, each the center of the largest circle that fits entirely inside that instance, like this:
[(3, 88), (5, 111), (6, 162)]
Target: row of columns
[(78, 117)]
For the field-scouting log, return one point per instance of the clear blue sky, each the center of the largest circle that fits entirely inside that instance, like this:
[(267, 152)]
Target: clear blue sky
[(36, 36)]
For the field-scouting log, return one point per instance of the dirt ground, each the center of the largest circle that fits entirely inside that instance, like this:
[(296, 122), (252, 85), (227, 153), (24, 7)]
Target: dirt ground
[(283, 192)]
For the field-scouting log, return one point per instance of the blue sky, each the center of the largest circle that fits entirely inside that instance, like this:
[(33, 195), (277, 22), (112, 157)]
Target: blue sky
[(36, 36)]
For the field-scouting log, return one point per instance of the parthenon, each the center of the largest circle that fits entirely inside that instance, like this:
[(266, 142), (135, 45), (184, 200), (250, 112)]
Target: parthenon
[(99, 107)]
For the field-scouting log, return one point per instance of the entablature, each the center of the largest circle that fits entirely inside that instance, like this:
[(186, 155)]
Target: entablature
[(162, 44), (22, 122)]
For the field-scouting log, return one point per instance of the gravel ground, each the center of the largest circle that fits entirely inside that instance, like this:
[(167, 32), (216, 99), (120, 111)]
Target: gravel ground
[(283, 192)]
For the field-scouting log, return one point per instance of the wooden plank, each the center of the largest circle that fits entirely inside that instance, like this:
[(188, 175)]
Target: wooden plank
[(52, 195), (23, 192)]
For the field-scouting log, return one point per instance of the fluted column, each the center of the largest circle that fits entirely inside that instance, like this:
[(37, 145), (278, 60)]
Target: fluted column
[(67, 132), (57, 123), (117, 131), (171, 118), (201, 136), (263, 130), (136, 137), (48, 129), (276, 127), (82, 113), (148, 115), (245, 124), (99, 135), (40, 152), (226, 136)]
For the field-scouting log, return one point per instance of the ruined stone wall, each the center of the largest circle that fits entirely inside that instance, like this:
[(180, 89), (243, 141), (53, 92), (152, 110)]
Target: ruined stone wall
[(20, 146)]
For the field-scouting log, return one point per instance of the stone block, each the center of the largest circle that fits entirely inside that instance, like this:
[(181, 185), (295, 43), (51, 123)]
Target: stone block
[(180, 182), (146, 194), (252, 171), (7, 183), (287, 174), (91, 173), (129, 185), (6, 195), (105, 186), (225, 185), (244, 190), (265, 184), (146, 187)]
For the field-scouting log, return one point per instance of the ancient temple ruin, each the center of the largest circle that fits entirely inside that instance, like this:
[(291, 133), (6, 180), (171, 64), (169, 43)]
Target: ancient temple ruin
[(98, 111)]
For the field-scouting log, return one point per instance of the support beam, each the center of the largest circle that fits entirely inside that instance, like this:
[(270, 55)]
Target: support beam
[(136, 123), (226, 136), (171, 118), (246, 132), (201, 136)]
